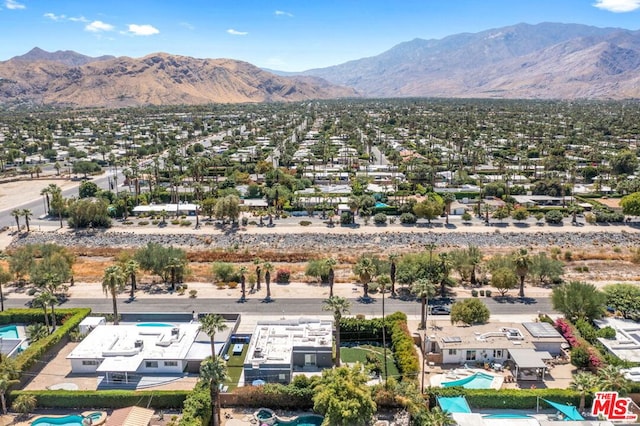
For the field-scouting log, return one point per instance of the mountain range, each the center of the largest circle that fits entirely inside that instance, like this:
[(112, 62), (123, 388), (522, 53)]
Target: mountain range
[(543, 61), (547, 60)]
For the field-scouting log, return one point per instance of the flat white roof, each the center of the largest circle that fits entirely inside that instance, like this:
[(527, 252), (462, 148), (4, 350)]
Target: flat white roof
[(165, 207), (123, 347)]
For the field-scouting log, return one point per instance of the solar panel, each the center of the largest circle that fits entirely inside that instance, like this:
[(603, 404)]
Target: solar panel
[(451, 339), (541, 329)]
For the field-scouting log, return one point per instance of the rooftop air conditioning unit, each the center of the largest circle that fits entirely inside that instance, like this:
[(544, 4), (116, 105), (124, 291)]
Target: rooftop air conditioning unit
[(138, 344), (175, 331)]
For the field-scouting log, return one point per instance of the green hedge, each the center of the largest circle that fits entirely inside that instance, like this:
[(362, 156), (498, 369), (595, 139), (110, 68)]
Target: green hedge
[(197, 407), (517, 399), (68, 319), (105, 398)]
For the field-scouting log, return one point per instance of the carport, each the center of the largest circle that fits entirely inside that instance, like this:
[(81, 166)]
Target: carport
[(529, 364)]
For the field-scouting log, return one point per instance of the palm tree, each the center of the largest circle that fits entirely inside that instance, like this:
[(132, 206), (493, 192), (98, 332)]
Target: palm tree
[(130, 269), (5, 277), (339, 306), (331, 262), (24, 404), (445, 270), (174, 266), (52, 284), (45, 192), (16, 213), (423, 288), (611, 379), (213, 371), (42, 301), (243, 281), (257, 261), (27, 214), (57, 201), (448, 199), (475, 257), (268, 267), (37, 331), (583, 383), (392, 272), (522, 262), (437, 417), (366, 271), (210, 324), (4, 386), (113, 282)]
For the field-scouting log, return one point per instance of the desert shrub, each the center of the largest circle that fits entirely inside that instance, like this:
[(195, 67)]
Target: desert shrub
[(283, 276), (143, 223), (554, 217), (408, 218), (305, 223), (380, 219)]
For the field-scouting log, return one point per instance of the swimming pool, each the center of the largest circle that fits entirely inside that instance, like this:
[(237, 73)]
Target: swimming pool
[(506, 416), (475, 381), (268, 417), (154, 324), (9, 332), (73, 420)]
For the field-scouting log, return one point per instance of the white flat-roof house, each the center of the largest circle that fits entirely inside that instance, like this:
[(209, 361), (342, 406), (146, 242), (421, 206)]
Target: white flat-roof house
[(122, 351), (526, 345), (187, 209), (278, 348)]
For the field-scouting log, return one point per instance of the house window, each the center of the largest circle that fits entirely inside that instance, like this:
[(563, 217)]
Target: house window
[(151, 364), (453, 352), (90, 362), (282, 377), (171, 363), (497, 353), (471, 355)]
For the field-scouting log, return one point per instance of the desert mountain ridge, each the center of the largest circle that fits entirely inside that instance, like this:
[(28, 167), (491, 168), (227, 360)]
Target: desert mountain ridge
[(43, 78), (542, 61)]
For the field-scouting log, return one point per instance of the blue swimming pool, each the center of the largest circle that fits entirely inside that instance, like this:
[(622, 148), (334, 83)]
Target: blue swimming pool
[(475, 381), (303, 420), (9, 332), (73, 420), (154, 324), (507, 416)]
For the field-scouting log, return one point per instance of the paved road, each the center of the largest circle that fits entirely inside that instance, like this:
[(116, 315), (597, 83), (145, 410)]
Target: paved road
[(306, 306)]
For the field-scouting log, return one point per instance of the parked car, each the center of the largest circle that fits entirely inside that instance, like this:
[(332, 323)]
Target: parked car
[(440, 310)]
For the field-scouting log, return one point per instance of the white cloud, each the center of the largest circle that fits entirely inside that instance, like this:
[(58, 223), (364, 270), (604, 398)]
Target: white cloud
[(54, 17), (143, 30), (78, 19), (14, 5), (283, 13), (236, 32), (618, 6), (98, 26)]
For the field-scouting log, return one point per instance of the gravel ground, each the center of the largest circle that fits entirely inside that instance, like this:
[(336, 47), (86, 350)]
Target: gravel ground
[(334, 241)]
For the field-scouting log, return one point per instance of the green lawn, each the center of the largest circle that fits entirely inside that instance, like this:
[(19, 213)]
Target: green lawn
[(359, 354), (235, 366)]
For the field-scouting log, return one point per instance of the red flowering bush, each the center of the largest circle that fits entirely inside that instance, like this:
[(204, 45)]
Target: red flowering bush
[(283, 276)]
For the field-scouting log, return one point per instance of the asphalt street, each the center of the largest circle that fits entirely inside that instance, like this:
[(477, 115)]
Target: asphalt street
[(288, 306)]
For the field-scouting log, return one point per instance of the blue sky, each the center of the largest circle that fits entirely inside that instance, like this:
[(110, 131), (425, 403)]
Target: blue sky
[(290, 35)]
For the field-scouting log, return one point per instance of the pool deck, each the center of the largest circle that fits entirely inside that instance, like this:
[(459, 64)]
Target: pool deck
[(461, 373)]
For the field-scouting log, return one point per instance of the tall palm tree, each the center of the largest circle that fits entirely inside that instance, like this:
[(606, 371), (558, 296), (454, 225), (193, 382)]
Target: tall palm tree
[(17, 213), (130, 269), (257, 261), (331, 262), (26, 213), (5, 277), (522, 263), (113, 282), (213, 371), (366, 271), (339, 306), (57, 201), (584, 383), (393, 258), (268, 268), (174, 266), (210, 324), (423, 288), (448, 199), (243, 282), (45, 193), (43, 300), (445, 269), (475, 257)]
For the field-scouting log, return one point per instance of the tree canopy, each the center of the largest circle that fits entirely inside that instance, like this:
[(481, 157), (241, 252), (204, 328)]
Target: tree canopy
[(470, 311), (578, 300)]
